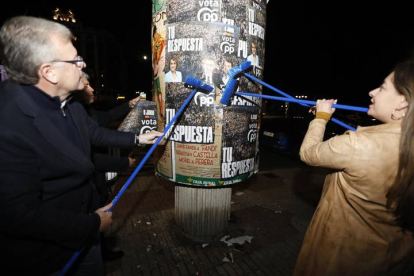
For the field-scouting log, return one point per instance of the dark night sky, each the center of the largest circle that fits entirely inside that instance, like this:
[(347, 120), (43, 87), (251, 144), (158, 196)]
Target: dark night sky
[(329, 51)]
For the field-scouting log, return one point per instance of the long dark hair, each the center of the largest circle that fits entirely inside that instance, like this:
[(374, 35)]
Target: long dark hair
[(401, 195)]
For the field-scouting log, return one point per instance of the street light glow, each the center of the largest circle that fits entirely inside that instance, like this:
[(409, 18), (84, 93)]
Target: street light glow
[(58, 15)]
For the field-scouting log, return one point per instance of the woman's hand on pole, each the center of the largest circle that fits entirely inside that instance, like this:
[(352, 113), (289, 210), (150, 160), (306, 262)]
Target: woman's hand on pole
[(325, 106)]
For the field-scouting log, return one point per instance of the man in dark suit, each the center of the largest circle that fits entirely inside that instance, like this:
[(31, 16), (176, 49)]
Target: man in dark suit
[(222, 78), (105, 164), (210, 74), (102, 161), (48, 206)]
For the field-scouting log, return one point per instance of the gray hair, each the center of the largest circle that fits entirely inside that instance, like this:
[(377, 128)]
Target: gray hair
[(26, 43), (84, 75)]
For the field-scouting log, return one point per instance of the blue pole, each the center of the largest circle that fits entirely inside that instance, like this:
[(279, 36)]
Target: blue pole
[(141, 164), (288, 96), (339, 106), (131, 178)]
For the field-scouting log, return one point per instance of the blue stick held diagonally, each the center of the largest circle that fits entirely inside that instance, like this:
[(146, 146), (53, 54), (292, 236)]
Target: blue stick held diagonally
[(339, 106), (198, 85), (241, 70), (290, 97)]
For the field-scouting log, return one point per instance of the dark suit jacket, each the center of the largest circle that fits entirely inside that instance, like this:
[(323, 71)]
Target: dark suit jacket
[(46, 198), (215, 78), (102, 161), (103, 118)]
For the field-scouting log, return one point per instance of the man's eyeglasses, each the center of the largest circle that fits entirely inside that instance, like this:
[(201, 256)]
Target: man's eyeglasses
[(78, 61)]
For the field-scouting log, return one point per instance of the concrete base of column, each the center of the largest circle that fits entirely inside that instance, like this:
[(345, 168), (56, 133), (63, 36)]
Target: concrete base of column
[(202, 214)]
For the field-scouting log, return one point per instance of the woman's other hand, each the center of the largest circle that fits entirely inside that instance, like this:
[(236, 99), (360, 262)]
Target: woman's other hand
[(325, 106)]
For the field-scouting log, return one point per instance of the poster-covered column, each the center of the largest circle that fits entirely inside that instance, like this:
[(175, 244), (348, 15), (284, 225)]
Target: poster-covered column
[(210, 147), (204, 39)]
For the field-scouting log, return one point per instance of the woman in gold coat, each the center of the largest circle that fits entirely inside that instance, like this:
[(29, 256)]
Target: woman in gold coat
[(364, 221)]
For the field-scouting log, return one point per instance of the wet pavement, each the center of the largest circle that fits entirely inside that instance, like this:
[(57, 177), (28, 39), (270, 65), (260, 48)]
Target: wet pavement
[(274, 208)]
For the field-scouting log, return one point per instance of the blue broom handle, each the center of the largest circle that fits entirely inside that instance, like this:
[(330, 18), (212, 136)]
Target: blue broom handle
[(339, 106), (131, 178), (141, 164), (288, 96)]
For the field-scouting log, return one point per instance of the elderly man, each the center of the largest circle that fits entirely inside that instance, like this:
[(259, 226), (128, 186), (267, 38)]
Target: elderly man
[(47, 203), (105, 164)]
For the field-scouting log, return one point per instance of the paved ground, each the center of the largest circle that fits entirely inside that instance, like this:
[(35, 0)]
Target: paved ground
[(274, 208)]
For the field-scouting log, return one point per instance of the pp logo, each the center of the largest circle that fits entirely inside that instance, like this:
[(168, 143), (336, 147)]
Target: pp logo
[(146, 129), (206, 14), (227, 47), (202, 99), (252, 135)]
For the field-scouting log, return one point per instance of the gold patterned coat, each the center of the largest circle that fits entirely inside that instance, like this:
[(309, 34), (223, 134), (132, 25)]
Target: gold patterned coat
[(352, 232)]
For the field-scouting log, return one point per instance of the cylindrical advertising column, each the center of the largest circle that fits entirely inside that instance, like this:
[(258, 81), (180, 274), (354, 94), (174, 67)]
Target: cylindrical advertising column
[(211, 145)]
